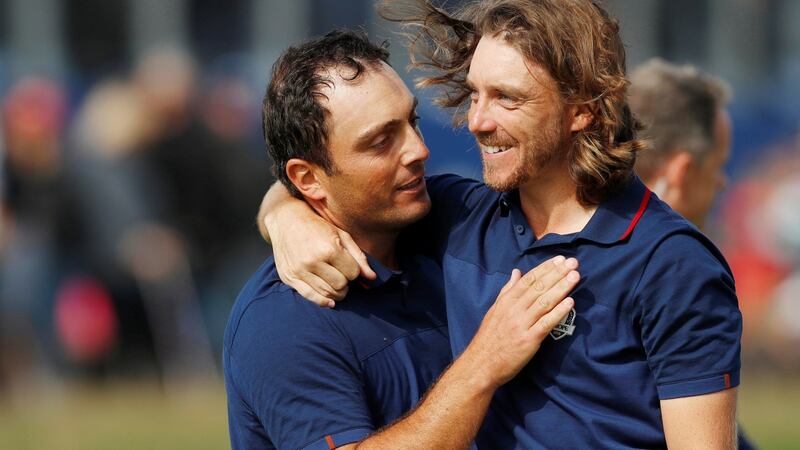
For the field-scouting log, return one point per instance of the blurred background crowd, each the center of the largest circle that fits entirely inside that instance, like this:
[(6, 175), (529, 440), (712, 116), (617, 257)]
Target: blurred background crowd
[(132, 165)]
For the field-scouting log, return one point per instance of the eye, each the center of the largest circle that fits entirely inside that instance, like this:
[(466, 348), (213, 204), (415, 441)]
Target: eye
[(503, 97), (414, 121), (380, 143)]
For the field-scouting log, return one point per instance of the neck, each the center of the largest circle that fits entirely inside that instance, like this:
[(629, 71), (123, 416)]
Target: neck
[(379, 244), (550, 203)]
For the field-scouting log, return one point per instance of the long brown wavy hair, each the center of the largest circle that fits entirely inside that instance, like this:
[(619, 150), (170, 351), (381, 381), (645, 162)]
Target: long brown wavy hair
[(576, 41)]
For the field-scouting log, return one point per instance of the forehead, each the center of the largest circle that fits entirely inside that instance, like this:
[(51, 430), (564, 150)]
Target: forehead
[(376, 96), (496, 62)]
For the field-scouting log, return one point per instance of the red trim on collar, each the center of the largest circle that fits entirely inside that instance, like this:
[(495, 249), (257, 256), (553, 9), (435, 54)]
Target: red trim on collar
[(639, 213), (363, 285)]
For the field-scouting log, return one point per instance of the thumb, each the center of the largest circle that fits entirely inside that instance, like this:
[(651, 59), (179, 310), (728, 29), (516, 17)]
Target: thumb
[(515, 276)]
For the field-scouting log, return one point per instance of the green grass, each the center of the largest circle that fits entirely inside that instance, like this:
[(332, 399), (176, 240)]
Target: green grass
[(119, 417), (769, 410), (141, 417)]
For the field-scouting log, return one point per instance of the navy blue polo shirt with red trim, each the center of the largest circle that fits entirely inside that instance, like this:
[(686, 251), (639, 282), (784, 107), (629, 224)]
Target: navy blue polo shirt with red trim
[(656, 316), (303, 377)]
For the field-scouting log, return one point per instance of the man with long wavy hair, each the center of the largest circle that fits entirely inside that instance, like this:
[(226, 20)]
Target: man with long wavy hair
[(650, 354)]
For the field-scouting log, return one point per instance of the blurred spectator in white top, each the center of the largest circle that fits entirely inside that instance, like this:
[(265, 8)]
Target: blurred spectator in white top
[(684, 113)]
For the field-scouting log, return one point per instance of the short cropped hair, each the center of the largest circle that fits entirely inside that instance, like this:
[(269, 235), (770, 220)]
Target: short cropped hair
[(678, 106), (293, 119)]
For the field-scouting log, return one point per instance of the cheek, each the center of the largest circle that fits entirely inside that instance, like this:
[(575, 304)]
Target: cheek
[(371, 179)]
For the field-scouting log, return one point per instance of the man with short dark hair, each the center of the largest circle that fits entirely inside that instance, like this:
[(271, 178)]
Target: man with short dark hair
[(684, 113), (649, 357), (341, 128)]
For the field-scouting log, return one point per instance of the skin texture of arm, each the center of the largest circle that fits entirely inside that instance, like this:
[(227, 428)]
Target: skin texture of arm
[(513, 329), (320, 268), (701, 422)]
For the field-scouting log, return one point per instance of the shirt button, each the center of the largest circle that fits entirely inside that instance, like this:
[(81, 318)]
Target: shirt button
[(519, 229)]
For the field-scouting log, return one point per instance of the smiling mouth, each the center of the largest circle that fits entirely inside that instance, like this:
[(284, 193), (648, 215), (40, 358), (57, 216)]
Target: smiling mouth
[(494, 149), (412, 185)]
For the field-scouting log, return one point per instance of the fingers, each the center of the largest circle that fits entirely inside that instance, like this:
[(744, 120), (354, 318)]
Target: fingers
[(534, 276), (356, 256), (343, 259), (551, 298), (332, 281), (310, 294), (515, 276), (547, 322), (322, 287), (539, 279)]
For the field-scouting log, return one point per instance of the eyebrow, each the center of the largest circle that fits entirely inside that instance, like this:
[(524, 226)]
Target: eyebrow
[(373, 131)]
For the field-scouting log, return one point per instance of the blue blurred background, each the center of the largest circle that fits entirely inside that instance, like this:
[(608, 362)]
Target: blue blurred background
[(132, 165)]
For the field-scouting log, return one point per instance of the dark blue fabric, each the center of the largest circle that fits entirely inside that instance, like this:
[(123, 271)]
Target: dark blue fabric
[(296, 373), (657, 315)]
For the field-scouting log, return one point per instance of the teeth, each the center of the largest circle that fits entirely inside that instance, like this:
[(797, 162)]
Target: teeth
[(492, 150)]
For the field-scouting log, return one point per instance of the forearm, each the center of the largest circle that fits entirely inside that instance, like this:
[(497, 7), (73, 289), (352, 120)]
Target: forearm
[(447, 418), (277, 198)]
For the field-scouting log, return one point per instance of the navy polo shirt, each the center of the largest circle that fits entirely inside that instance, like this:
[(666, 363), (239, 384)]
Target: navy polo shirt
[(303, 377), (656, 316)]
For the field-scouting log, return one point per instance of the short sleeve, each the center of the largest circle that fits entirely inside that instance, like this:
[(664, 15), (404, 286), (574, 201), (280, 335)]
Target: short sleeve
[(452, 197), (292, 377), (691, 325)]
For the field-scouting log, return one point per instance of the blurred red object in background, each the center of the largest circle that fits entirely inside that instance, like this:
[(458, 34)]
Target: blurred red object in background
[(85, 319)]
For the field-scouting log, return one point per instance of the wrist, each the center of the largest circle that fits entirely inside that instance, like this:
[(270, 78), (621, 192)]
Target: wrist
[(478, 371), (273, 218)]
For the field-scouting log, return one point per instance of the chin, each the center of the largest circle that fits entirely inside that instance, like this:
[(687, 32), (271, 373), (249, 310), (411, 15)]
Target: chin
[(504, 182), (413, 213)]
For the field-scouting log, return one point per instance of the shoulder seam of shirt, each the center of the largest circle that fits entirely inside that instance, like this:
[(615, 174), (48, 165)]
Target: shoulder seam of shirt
[(397, 338), (281, 288), (277, 289), (681, 231), (486, 271)]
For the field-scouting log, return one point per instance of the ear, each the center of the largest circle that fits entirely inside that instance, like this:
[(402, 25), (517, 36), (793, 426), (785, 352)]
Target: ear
[(305, 177), (580, 117), (676, 171)]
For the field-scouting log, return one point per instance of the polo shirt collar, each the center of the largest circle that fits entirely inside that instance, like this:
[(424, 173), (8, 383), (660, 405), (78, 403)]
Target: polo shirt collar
[(385, 274), (616, 217), (612, 222)]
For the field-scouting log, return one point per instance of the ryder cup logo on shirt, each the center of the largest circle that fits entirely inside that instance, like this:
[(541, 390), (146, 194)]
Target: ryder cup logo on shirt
[(566, 327)]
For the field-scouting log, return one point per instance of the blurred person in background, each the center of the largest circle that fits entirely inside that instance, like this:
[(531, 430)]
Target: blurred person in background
[(207, 178), (684, 115), (58, 314), (172, 225), (683, 112), (39, 223), (203, 179)]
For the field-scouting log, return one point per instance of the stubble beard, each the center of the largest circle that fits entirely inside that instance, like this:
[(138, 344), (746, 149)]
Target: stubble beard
[(537, 155)]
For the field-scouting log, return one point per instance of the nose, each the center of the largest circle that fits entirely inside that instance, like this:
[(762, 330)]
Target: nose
[(415, 150), (479, 118)]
